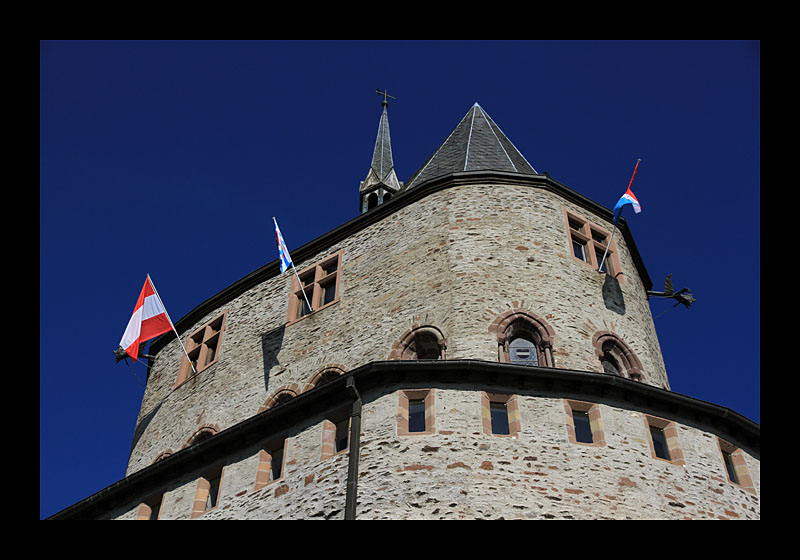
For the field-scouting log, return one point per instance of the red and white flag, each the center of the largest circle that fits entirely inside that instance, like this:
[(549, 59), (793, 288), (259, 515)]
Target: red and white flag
[(148, 321)]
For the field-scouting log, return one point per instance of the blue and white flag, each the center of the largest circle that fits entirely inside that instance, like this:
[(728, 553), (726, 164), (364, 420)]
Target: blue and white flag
[(283, 252)]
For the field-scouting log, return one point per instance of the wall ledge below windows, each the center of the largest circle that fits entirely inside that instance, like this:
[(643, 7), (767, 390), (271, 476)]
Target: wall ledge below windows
[(390, 376)]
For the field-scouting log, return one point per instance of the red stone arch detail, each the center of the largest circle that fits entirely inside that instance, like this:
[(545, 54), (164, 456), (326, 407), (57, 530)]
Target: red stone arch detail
[(401, 349), (630, 362), (338, 369), (292, 389), (211, 429), (161, 456), (502, 327)]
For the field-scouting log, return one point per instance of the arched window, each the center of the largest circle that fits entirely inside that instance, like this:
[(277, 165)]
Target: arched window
[(372, 200), (523, 338), (522, 350), (325, 375), (421, 343), (616, 357), (280, 396)]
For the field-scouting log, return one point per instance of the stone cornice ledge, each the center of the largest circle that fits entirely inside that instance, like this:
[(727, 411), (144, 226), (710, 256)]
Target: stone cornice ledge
[(384, 376)]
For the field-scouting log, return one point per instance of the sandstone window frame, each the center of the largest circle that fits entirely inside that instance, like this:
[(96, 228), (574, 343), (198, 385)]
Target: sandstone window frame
[(199, 344), (738, 464), (594, 239), (405, 396), (332, 426), (521, 323), (670, 430), (427, 337), (211, 482), (511, 402), (266, 456), (607, 343), (592, 410), (146, 508), (317, 279)]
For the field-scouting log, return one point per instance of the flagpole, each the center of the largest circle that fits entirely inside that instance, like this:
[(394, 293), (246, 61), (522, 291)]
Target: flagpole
[(194, 371), (599, 268), (301, 287), (299, 283)]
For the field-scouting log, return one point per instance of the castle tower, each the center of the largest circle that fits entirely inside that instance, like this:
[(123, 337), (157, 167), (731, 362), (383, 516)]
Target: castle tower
[(481, 368), (381, 182)]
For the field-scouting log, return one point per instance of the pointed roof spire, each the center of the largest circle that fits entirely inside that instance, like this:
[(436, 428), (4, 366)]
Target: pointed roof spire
[(476, 144), (382, 167)]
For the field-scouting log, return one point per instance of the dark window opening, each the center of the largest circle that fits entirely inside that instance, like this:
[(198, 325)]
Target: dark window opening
[(342, 435), (416, 415), (660, 443), (583, 428), (728, 458), (499, 415)]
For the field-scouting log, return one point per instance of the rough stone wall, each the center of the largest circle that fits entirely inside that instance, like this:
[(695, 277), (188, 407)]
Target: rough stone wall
[(461, 472), (455, 259)]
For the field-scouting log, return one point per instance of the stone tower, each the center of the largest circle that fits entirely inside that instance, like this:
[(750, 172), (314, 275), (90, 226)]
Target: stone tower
[(482, 368)]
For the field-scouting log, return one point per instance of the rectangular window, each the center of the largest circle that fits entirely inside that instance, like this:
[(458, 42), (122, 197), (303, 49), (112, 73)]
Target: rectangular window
[(321, 285), (213, 491), (499, 414), (415, 412), (729, 467), (276, 464), (203, 347), (583, 429), (579, 249), (588, 243), (342, 435), (416, 415), (659, 442)]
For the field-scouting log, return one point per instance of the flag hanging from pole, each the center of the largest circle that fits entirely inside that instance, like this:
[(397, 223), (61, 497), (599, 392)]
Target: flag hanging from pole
[(149, 320), (283, 252), (628, 198)]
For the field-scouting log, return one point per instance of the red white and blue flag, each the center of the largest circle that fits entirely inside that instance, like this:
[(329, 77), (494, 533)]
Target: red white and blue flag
[(283, 252), (628, 198), (149, 320)]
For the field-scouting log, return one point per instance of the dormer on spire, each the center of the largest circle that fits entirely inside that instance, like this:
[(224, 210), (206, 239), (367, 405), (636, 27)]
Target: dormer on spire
[(381, 182)]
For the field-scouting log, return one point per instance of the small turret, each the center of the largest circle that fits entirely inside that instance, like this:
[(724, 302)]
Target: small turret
[(381, 182)]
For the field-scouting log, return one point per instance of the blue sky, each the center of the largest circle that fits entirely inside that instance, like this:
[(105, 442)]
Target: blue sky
[(170, 158)]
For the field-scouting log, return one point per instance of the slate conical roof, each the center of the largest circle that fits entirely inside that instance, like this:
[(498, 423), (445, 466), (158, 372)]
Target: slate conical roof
[(381, 170), (476, 144)]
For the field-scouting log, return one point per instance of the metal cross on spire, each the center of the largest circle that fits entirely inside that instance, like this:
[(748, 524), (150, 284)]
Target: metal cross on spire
[(385, 94)]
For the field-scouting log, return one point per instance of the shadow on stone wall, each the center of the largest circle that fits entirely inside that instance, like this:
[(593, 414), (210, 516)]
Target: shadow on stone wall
[(612, 295), (271, 343)]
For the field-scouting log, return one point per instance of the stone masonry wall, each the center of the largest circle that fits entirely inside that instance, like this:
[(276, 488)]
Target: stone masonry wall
[(456, 260), (461, 472)]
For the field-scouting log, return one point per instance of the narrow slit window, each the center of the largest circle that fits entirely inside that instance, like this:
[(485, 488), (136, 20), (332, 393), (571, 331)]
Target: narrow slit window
[(728, 458), (659, 443), (583, 428), (499, 415), (276, 464), (213, 491), (342, 435), (416, 415)]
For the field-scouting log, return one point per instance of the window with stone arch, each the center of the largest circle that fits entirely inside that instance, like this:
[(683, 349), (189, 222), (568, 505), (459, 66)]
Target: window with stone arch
[(616, 357), (280, 396), (325, 375), (202, 434), (524, 339), (420, 343)]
